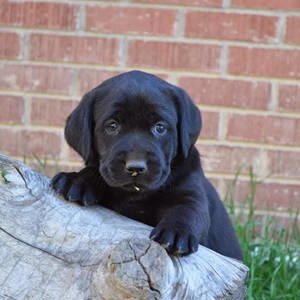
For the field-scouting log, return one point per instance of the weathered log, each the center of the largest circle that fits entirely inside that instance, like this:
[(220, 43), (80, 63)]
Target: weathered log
[(53, 249)]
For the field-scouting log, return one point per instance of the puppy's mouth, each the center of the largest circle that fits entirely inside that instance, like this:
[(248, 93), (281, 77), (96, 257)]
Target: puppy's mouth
[(134, 183), (135, 186)]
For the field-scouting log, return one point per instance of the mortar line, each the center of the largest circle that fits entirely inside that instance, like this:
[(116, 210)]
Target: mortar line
[(273, 105), (281, 28), (180, 23)]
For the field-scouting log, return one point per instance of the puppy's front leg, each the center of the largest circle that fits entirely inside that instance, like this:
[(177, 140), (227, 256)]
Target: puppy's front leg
[(185, 221), (84, 187)]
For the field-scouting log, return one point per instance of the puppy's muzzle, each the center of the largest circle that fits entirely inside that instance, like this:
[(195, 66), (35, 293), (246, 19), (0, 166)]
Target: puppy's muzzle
[(134, 163)]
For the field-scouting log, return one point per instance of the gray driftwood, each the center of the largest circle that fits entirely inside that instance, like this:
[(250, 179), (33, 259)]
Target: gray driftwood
[(52, 249)]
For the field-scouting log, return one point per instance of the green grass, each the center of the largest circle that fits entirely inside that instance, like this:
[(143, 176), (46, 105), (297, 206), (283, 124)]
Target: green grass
[(271, 252)]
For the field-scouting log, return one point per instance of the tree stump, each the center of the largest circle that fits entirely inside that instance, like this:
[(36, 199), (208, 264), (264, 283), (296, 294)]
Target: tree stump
[(53, 249)]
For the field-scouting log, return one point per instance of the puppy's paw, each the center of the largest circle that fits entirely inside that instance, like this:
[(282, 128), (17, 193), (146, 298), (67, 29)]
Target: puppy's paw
[(176, 240), (75, 188)]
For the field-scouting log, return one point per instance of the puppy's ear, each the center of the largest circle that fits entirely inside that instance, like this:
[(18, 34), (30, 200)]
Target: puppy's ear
[(79, 127), (189, 121)]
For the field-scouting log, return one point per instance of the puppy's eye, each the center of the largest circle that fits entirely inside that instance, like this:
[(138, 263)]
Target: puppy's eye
[(159, 128), (112, 127)]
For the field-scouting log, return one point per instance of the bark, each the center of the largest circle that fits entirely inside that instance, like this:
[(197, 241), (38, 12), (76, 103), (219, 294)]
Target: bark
[(53, 249)]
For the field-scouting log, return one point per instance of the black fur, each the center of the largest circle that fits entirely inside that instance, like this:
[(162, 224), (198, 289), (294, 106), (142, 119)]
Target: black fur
[(136, 134)]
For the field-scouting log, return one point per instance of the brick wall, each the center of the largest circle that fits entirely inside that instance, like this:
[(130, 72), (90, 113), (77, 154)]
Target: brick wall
[(238, 59)]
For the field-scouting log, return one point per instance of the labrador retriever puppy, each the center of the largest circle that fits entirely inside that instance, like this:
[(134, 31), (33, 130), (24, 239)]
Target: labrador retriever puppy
[(136, 134)]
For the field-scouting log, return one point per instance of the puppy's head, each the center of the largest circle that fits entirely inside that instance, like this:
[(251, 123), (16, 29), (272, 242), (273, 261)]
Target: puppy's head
[(133, 126)]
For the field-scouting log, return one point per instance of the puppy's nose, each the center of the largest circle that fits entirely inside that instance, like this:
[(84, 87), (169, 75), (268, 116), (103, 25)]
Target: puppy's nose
[(135, 166)]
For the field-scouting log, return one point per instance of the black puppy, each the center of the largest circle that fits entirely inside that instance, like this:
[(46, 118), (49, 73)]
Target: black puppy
[(136, 134)]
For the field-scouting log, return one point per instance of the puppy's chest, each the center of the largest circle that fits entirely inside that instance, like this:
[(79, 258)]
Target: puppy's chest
[(144, 211)]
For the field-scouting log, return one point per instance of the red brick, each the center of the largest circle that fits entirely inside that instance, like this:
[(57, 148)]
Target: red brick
[(130, 20), (229, 93), (225, 26), (269, 195), (72, 155), (90, 78), (276, 196), (226, 159), (213, 3), (38, 14), (51, 112), (264, 62), (289, 98), (210, 125), (264, 129), (9, 45), (277, 220), (63, 167), (284, 164), (12, 109), (293, 30), (74, 49), (175, 56), (215, 181), (35, 78), (50, 168), (30, 143), (267, 4)]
